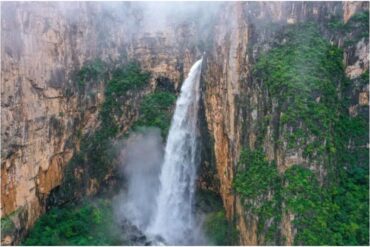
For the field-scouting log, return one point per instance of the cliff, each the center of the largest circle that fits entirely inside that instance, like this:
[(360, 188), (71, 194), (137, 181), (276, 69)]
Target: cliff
[(237, 105), (44, 45)]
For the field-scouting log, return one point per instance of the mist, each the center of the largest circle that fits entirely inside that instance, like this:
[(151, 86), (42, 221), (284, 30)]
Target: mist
[(140, 163)]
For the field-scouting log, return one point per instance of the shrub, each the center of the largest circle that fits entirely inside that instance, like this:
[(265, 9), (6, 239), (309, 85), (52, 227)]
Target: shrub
[(125, 78), (256, 176), (88, 223), (219, 230), (156, 111), (258, 183), (7, 225), (90, 71)]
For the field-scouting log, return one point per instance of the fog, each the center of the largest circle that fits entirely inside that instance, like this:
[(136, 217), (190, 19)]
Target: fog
[(93, 27), (140, 162)]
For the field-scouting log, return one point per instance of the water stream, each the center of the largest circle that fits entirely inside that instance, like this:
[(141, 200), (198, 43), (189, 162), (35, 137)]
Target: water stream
[(173, 220)]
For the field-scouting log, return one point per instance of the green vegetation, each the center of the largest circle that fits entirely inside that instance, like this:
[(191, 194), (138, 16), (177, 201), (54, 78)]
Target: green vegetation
[(305, 76), (95, 149), (257, 177), (351, 196), (360, 23), (301, 188), (258, 183), (208, 201), (357, 26), (91, 71), (156, 111), (219, 230), (96, 157), (7, 225), (89, 223), (336, 215), (128, 78), (302, 75), (308, 202), (364, 78), (12, 223)]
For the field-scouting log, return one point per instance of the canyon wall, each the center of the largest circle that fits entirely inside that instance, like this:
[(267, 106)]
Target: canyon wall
[(236, 104), (44, 44)]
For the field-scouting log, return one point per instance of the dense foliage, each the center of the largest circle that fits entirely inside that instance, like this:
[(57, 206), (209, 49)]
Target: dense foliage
[(91, 71), (128, 78), (351, 195), (90, 223), (7, 225), (357, 26), (258, 183), (219, 230), (304, 75), (258, 176), (304, 197), (156, 111)]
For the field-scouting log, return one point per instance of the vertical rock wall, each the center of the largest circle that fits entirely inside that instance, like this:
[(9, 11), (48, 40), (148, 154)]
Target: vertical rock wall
[(236, 105), (43, 45)]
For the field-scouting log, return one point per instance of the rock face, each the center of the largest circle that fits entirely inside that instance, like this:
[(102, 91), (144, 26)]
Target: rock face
[(235, 106), (44, 44), (41, 47)]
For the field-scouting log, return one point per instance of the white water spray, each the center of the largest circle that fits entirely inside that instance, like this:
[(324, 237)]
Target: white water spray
[(174, 220)]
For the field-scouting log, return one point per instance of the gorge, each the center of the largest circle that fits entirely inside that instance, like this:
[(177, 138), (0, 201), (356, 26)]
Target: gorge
[(271, 135)]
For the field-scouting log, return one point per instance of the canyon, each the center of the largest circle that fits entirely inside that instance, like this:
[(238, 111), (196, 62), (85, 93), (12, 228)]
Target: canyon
[(44, 110)]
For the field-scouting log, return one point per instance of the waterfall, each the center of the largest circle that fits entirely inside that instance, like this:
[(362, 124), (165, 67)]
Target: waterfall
[(173, 220)]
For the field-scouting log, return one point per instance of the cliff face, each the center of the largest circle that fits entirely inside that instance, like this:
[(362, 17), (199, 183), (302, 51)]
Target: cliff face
[(42, 47), (43, 44), (236, 104)]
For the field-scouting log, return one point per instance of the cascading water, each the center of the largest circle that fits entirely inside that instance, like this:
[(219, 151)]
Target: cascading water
[(174, 220)]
